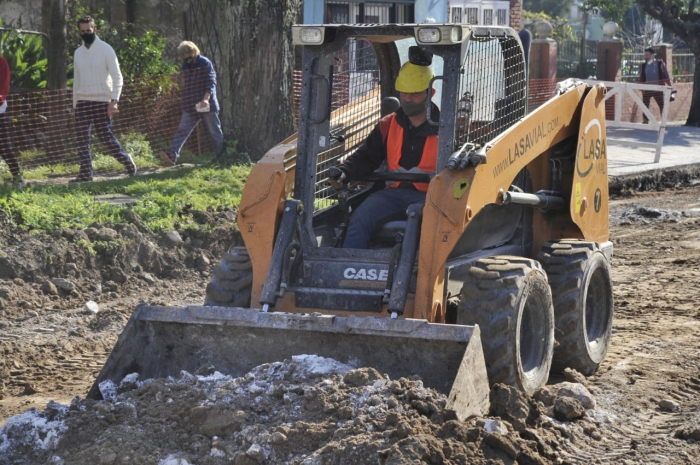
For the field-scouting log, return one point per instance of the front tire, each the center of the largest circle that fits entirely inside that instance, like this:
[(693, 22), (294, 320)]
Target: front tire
[(231, 284), (579, 274), (510, 299)]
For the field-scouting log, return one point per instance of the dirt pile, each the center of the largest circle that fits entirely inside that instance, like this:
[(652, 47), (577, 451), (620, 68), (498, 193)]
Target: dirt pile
[(308, 410), (48, 337), (658, 180)]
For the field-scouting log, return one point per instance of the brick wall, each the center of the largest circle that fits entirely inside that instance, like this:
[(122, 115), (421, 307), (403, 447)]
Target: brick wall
[(516, 10)]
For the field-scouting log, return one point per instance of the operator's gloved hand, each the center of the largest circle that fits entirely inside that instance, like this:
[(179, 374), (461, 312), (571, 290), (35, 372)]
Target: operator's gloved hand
[(336, 178)]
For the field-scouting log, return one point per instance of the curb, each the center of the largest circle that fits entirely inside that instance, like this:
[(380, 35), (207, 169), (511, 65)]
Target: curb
[(656, 180)]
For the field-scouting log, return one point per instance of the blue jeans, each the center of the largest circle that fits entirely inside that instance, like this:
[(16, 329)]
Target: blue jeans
[(187, 124), (381, 207), (94, 114)]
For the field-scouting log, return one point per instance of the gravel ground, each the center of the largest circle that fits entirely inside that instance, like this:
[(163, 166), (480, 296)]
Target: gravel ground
[(641, 407)]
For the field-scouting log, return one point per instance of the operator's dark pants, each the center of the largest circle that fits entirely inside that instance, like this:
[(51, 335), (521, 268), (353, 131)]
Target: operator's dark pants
[(94, 114), (381, 207), (7, 149), (647, 95)]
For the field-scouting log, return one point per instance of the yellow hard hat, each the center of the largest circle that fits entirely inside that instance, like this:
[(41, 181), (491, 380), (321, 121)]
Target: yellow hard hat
[(413, 78)]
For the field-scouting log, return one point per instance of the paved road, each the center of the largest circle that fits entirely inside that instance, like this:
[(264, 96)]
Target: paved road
[(681, 147)]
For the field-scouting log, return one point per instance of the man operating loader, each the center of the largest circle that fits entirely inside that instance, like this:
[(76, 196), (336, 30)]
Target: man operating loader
[(406, 141)]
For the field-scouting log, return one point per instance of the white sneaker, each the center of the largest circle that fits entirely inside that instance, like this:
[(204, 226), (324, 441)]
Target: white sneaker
[(130, 166)]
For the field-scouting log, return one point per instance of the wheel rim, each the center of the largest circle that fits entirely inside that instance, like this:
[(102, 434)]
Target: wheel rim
[(533, 336), (598, 310)]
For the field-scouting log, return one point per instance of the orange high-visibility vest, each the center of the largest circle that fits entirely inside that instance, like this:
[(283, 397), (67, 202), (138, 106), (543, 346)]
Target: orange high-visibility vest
[(394, 142)]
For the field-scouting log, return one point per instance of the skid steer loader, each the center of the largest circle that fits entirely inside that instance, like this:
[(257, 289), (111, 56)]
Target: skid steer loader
[(502, 275)]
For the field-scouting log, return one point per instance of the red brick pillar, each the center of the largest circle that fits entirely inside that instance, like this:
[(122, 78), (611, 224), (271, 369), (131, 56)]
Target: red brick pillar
[(609, 60), (543, 59), (665, 52), (610, 63), (516, 13), (543, 71)]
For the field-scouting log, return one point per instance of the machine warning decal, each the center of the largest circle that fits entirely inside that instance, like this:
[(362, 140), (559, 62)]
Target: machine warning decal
[(521, 147), (577, 198), (598, 200), (461, 187), (591, 151)]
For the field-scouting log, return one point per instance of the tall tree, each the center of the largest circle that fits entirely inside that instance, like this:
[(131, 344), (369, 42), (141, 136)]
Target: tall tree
[(257, 66), (557, 8), (680, 17), (53, 18)]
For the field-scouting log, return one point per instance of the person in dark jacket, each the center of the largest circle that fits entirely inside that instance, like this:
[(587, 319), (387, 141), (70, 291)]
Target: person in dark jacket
[(7, 148), (406, 141), (198, 101), (653, 71)]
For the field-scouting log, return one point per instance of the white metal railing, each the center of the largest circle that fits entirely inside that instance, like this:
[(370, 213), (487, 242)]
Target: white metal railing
[(627, 89)]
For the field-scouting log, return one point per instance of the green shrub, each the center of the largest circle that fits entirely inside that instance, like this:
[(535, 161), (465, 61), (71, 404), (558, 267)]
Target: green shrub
[(26, 56), (140, 56)]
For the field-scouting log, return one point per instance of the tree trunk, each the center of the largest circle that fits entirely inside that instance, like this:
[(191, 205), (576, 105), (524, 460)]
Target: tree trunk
[(694, 115), (54, 24), (257, 63)]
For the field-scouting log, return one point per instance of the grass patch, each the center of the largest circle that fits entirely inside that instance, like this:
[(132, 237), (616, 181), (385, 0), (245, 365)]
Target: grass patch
[(35, 165), (161, 196)]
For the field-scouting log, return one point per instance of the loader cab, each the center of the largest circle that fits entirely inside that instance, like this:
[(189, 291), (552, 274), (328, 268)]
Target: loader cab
[(348, 72), (348, 77)]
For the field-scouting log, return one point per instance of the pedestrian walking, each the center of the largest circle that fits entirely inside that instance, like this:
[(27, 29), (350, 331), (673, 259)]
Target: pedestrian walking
[(198, 80), (97, 86), (7, 148), (653, 71)]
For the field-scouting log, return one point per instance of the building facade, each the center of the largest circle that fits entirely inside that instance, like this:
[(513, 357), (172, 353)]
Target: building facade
[(477, 12), (485, 13)]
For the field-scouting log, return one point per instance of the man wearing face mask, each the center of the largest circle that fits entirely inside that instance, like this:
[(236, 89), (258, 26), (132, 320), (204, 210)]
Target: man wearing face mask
[(653, 71), (97, 85), (406, 141), (198, 101)]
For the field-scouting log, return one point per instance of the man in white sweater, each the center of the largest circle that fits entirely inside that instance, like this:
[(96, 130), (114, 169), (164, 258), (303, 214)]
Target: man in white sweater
[(96, 88)]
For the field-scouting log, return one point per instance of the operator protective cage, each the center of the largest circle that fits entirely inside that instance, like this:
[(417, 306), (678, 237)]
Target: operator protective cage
[(348, 70)]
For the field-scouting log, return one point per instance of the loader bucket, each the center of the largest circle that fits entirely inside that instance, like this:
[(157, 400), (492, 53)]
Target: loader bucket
[(161, 341)]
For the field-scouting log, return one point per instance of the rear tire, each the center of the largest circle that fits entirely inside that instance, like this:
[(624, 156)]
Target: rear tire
[(509, 298), (579, 275), (231, 284)]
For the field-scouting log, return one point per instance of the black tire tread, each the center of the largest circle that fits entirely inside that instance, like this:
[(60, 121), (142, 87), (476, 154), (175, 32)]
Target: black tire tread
[(565, 263), (489, 300), (232, 281)]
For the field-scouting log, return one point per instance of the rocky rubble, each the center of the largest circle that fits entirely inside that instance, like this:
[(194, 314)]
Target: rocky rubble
[(308, 410)]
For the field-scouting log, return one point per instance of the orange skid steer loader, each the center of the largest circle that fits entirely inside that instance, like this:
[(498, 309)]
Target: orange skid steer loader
[(502, 276)]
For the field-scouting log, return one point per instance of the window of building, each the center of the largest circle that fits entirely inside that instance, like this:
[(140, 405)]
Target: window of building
[(339, 13), (357, 12), (404, 14), (456, 15), (502, 17), (488, 17), (472, 16)]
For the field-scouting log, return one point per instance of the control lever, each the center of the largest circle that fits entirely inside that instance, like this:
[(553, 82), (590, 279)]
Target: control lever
[(335, 174)]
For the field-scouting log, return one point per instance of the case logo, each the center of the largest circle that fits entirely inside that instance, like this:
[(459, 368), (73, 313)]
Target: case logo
[(366, 274)]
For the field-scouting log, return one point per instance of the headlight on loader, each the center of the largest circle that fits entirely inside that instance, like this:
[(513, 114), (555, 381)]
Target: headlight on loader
[(311, 35), (429, 35)]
